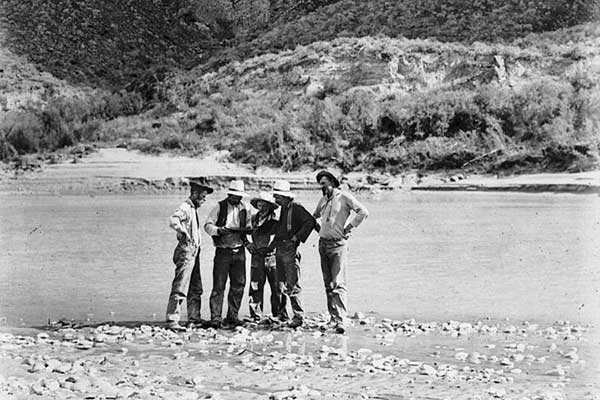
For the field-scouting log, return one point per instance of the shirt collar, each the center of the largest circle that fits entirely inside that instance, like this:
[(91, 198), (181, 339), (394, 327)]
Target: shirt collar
[(190, 202), (336, 192)]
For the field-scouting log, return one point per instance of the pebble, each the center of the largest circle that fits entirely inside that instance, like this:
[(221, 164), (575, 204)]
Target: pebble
[(37, 388), (51, 384), (474, 358), (84, 345), (516, 371), (509, 329), (506, 362), (497, 392), (556, 372), (461, 356), (37, 366), (81, 385), (427, 370)]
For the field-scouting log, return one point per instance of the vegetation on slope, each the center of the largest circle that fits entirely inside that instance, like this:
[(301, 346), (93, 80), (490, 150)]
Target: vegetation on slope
[(398, 104), (370, 103)]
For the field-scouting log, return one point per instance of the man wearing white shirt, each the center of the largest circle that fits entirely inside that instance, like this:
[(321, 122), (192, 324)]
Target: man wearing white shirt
[(187, 283), (228, 223), (334, 210)]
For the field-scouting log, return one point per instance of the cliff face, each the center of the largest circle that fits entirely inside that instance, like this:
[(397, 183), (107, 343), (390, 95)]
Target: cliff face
[(408, 65)]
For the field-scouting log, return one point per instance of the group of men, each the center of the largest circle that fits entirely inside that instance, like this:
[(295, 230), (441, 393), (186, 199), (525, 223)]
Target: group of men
[(271, 228)]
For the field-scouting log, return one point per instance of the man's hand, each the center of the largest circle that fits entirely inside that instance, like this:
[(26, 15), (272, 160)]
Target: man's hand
[(183, 237), (348, 231), (251, 248)]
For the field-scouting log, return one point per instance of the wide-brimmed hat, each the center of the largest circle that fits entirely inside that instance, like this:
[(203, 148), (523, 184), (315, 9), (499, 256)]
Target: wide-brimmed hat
[(266, 197), (282, 188), (236, 188), (200, 184), (330, 176)]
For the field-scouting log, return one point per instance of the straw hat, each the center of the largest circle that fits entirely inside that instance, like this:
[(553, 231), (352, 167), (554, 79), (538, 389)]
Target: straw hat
[(236, 188), (266, 197), (282, 188)]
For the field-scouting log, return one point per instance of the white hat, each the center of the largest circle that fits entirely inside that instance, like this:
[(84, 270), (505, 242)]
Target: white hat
[(266, 197), (236, 188), (282, 188)]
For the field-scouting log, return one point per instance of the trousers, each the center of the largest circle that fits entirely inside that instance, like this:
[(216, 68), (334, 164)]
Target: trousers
[(187, 283), (228, 264), (334, 260)]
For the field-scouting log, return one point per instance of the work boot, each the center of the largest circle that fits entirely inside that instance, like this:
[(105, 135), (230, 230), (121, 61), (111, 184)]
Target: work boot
[(296, 322), (214, 323), (175, 327), (340, 329), (196, 323), (329, 325), (230, 323)]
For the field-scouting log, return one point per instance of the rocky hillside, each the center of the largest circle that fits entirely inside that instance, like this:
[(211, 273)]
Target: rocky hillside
[(394, 104), (364, 90), (105, 43)]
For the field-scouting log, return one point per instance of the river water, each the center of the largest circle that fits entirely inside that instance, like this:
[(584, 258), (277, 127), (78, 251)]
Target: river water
[(427, 255)]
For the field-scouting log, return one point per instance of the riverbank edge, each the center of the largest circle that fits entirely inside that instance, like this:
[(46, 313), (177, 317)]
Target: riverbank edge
[(364, 183), (113, 170)]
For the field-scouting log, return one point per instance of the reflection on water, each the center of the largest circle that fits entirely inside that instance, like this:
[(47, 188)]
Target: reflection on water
[(423, 255)]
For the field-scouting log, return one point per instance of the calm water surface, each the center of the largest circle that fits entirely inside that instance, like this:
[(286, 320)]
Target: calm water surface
[(424, 255)]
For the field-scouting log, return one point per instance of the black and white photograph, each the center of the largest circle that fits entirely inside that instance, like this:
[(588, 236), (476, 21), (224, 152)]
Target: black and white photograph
[(300, 199)]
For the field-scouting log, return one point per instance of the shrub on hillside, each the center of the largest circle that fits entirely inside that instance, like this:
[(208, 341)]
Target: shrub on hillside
[(62, 122), (439, 129)]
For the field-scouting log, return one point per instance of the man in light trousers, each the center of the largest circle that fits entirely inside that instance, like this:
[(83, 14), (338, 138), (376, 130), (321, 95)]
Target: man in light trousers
[(187, 283), (334, 210)]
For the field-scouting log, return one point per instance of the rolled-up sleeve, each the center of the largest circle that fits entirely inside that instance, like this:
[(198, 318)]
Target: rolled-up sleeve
[(361, 211), (211, 220), (176, 219)]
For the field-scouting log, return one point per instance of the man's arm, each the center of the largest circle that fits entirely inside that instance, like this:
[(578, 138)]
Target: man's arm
[(175, 221), (307, 223), (211, 219), (317, 214), (361, 211)]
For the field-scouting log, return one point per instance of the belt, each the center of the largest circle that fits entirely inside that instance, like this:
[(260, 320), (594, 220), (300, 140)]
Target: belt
[(327, 240), (231, 249)]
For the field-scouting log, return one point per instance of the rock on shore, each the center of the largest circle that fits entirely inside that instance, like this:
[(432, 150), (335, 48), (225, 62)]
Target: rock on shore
[(376, 359)]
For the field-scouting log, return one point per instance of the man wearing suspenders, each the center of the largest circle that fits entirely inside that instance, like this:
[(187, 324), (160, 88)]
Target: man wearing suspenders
[(294, 226), (227, 223)]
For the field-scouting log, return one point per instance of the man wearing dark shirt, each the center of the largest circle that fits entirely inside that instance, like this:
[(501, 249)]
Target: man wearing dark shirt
[(263, 266), (294, 226)]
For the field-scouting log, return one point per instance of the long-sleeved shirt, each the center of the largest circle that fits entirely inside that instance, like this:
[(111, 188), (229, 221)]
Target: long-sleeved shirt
[(232, 221), (334, 212), (262, 230), (294, 220), (185, 222)]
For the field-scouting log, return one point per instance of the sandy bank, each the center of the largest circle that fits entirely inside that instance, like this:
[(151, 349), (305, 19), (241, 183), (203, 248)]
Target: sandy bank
[(376, 359), (120, 170)]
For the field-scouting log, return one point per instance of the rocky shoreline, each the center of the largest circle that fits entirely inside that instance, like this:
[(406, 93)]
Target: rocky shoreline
[(376, 359)]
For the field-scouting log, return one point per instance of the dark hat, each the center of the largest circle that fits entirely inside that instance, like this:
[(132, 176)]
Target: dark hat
[(330, 176), (200, 184)]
